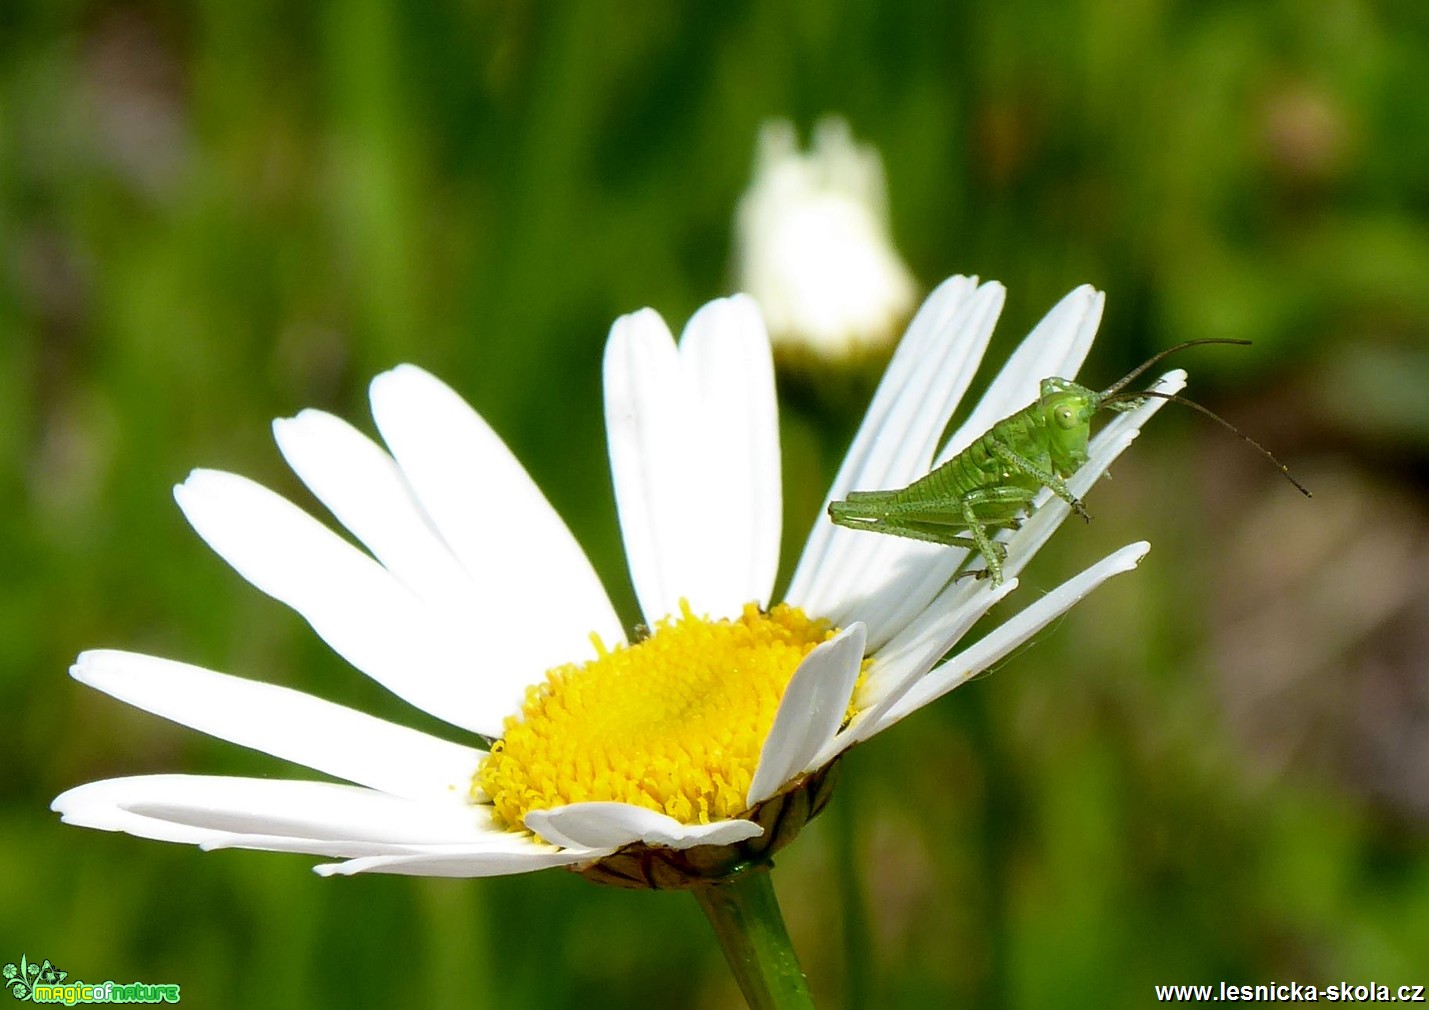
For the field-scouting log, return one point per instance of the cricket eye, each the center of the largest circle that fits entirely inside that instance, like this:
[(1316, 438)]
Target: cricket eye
[(1066, 417)]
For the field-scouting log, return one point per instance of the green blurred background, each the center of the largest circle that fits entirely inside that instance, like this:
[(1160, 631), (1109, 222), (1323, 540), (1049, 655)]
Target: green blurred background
[(216, 213)]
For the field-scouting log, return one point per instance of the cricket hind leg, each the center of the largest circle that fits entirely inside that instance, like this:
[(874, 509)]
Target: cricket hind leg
[(964, 522), (1043, 476), (913, 529)]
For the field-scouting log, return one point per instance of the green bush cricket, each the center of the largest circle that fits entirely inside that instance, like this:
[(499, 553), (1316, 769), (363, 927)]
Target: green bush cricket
[(991, 484)]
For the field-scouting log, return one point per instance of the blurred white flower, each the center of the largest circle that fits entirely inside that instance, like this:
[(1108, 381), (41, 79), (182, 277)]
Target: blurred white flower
[(812, 243), (676, 758)]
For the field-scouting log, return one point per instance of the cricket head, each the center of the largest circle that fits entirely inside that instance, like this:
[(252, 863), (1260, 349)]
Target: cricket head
[(1067, 410)]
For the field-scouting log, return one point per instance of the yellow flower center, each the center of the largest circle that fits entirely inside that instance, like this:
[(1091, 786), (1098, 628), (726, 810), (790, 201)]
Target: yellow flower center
[(674, 723)]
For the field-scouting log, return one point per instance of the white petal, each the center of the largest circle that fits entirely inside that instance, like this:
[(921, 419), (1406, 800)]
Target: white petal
[(287, 724), (89, 809), (929, 373), (362, 486), (540, 600), (694, 457), (85, 806), (725, 351), (928, 339), (1009, 635), (932, 394), (333, 847), (493, 841), (352, 602), (810, 712), (926, 639), (470, 863), (221, 805), (1057, 345), (643, 426), (882, 579), (910, 655), (611, 825)]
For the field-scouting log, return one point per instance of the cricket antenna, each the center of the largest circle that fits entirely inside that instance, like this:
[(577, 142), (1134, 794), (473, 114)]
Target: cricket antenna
[(1126, 379), (1284, 470)]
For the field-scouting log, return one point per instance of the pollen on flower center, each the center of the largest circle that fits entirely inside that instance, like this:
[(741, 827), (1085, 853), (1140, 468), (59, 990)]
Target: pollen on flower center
[(674, 723)]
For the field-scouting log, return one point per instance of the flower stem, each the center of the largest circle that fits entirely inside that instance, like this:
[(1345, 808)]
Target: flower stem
[(745, 915)]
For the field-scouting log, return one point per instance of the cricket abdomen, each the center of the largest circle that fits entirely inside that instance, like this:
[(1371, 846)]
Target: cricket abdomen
[(978, 466), (978, 484)]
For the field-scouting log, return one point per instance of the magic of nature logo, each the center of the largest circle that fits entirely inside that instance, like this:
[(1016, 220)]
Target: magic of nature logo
[(43, 982)]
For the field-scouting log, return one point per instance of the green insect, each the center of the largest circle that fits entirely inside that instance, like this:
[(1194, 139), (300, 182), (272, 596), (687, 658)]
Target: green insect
[(990, 485)]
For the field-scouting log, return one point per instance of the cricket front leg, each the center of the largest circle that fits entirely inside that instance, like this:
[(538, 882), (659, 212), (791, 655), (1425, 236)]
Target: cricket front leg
[(1043, 476)]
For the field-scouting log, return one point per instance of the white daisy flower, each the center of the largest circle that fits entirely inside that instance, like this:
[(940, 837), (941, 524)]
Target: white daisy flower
[(813, 244), (651, 763)]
